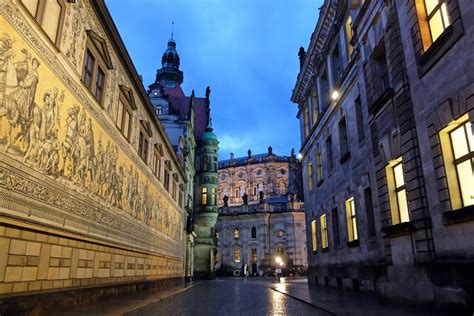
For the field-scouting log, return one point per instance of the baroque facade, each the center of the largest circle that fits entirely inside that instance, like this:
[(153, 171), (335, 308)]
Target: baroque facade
[(261, 214), (187, 121), (82, 205), (386, 113)]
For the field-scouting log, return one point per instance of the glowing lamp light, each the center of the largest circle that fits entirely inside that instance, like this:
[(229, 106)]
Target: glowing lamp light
[(335, 95), (299, 156), (278, 260)]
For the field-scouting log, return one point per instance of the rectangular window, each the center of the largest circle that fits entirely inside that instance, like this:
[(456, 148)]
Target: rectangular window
[(99, 84), (324, 232), (381, 78), (343, 142), (335, 227), (436, 17), (314, 106), (329, 153), (236, 254), (143, 146), (397, 192), (306, 122), (369, 211), (319, 166), (359, 119), (174, 190), (314, 236), (462, 143), (310, 176), (124, 116), (254, 254), (336, 66), (213, 196), (88, 69), (167, 180), (349, 34), (324, 91), (351, 220), (204, 196), (49, 14)]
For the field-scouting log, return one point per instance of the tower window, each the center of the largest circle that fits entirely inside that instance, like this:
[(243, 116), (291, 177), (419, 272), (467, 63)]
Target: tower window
[(204, 196)]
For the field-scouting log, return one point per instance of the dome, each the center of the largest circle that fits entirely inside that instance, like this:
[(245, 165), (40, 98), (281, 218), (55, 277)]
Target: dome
[(170, 57), (209, 135)]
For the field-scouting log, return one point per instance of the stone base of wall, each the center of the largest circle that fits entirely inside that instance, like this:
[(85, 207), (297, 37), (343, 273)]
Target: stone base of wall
[(57, 301), (445, 285)]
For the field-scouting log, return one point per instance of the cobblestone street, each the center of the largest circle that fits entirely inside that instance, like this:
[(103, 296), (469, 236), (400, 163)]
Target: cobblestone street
[(230, 297)]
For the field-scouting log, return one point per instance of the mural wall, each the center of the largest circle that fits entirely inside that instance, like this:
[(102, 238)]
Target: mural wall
[(62, 161)]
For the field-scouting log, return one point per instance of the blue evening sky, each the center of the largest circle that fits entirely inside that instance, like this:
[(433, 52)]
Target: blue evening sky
[(246, 50)]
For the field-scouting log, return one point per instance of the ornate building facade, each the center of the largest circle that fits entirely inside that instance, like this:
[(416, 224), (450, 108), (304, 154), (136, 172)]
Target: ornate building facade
[(386, 118), (261, 214), (84, 207), (187, 121)]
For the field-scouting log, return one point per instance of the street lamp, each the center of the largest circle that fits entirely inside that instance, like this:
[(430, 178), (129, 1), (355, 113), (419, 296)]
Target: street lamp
[(299, 156), (335, 95)]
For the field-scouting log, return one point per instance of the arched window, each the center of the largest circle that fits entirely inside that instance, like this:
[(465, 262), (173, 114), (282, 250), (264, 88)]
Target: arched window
[(236, 233), (254, 232)]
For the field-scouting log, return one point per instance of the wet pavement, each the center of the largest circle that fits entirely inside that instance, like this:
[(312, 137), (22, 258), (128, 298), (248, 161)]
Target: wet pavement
[(233, 296)]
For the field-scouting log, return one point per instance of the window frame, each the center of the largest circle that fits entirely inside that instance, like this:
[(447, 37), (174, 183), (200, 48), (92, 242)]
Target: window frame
[(324, 232), (39, 16), (237, 255), (127, 103), (236, 233), (314, 237), (204, 193), (351, 216)]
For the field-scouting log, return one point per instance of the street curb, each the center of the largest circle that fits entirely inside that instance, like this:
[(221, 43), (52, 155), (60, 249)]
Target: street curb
[(319, 306)]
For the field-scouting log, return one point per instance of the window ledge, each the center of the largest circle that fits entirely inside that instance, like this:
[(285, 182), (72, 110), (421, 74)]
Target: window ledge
[(381, 100), (345, 157), (434, 53), (353, 243), (465, 214), (398, 229)]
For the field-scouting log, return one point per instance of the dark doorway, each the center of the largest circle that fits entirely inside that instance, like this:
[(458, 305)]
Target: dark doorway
[(254, 269)]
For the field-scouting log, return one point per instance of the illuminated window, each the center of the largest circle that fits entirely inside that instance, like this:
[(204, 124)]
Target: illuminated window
[(458, 153), (310, 176), (319, 166), (397, 192), (306, 122), (324, 232), (349, 34), (433, 20), (280, 251), (254, 232), (204, 196), (236, 233), (236, 254), (49, 14), (314, 106), (351, 219), (313, 235), (254, 254)]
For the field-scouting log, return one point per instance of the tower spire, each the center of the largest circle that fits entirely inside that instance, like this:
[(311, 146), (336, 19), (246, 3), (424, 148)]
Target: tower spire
[(172, 29)]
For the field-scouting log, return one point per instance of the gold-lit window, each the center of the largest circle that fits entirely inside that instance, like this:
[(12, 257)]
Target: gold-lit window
[(306, 122), (351, 219), (236, 233), (349, 34), (49, 14), (236, 254), (280, 251), (319, 166), (324, 232), (310, 176), (458, 155), (397, 192), (314, 106), (254, 254), (314, 239), (433, 19), (204, 196)]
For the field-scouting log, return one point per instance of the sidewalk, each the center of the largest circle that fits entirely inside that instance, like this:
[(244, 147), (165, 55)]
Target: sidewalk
[(122, 304), (345, 302)]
